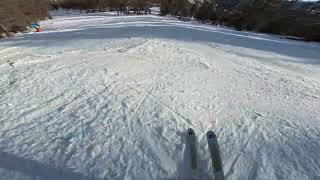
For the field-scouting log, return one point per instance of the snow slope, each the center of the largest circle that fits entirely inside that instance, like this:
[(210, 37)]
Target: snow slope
[(99, 96)]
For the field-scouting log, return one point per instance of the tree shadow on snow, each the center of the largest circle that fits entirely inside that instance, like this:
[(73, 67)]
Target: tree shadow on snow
[(37, 170), (309, 52)]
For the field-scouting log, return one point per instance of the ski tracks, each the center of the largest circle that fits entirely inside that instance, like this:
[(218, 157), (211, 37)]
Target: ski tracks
[(117, 108), (256, 126)]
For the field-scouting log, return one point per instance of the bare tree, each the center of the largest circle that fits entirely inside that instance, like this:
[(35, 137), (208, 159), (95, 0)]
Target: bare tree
[(139, 6)]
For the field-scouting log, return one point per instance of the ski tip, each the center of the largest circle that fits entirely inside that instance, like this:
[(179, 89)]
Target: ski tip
[(211, 135), (190, 132)]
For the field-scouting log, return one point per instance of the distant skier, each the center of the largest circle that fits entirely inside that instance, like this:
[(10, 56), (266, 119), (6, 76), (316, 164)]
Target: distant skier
[(36, 26)]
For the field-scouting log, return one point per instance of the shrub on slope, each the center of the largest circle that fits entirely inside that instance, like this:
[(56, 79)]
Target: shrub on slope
[(281, 17), (276, 17), (17, 15)]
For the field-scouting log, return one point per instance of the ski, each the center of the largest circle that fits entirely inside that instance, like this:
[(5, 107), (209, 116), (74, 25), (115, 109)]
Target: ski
[(215, 155), (192, 145)]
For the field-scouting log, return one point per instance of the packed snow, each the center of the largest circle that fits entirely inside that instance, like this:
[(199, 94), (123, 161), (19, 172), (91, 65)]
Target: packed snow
[(99, 96)]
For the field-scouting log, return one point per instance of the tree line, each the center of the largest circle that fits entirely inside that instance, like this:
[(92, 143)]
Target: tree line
[(121, 6), (283, 17)]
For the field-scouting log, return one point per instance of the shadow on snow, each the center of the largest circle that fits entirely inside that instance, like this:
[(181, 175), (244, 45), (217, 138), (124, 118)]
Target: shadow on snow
[(309, 52), (37, 170)]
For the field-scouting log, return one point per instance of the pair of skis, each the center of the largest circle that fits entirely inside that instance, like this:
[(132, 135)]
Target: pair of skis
[(214, 152)]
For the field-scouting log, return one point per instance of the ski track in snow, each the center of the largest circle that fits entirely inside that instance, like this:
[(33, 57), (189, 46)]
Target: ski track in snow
[(98, 96)]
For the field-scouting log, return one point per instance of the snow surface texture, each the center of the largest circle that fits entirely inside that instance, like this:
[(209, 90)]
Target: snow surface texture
[(98, 96)]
